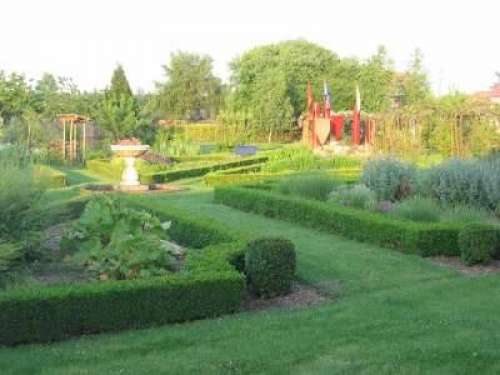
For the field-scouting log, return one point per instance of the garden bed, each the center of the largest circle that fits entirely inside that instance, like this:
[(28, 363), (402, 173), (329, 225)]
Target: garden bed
[(407, 236), (209, 286)]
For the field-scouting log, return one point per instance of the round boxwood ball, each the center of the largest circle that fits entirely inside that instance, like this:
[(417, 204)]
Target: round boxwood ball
[(270, 266), (477, 243)]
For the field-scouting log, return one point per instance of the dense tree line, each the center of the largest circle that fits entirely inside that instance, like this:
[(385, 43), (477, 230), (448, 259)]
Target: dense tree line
[(266, 92)]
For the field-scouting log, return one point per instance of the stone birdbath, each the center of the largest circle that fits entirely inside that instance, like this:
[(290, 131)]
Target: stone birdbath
[(129, 150)]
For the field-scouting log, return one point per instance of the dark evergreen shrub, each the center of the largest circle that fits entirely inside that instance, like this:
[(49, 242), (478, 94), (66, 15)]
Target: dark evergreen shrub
[(270, 266), (477, 243)]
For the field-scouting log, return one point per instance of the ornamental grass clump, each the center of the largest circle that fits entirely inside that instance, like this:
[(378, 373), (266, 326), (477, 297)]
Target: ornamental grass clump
[(474, 182), (311, 186), (389, 178), (357, 196), (418, 209)]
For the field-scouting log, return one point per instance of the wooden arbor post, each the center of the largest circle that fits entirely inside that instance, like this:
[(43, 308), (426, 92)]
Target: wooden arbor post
[(74, 121)]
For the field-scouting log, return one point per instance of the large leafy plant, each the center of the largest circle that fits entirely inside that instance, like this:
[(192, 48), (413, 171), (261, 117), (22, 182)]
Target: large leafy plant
[(118, 242)]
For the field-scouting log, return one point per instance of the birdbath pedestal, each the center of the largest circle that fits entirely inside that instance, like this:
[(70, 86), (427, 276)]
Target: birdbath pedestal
[(130, 177)]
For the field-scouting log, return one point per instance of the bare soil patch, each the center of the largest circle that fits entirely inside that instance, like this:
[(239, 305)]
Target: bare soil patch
[(302, 295), (476, 270)]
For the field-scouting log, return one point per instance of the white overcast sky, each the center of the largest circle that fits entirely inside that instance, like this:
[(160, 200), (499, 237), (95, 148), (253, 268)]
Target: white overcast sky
[(85, 39)]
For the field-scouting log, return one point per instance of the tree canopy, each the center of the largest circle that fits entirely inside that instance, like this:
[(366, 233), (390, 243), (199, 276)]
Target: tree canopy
[(119, 84), (191, 90)]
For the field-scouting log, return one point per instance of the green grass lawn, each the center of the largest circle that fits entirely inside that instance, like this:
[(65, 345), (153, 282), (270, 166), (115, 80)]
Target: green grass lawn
[(388, 313)]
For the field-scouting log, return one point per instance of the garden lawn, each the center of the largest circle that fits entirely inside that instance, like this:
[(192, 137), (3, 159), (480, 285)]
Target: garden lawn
[(387, 313)]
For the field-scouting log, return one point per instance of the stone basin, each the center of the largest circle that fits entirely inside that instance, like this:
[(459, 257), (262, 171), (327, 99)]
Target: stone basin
[(129, 150)]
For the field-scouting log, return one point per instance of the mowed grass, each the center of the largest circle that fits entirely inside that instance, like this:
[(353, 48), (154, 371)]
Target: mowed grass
[(387, 313)]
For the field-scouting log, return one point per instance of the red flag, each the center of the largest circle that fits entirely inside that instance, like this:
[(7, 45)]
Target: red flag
[(356, 119), (310, 100)]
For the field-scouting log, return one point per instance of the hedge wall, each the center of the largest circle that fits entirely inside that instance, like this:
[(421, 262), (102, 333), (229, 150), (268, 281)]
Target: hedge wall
[(177, 174), (419, 238), (53, 313), (209, 286)]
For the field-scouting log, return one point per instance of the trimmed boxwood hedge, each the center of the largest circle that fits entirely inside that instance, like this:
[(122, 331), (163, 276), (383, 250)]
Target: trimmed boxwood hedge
[(407, 236), (53, 313), (210, 285), (214, 179), (270, 266), (177, 174), (478, 243)]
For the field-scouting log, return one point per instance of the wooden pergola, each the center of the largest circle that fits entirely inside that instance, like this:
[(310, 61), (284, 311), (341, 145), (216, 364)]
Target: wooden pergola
[(69, 151)]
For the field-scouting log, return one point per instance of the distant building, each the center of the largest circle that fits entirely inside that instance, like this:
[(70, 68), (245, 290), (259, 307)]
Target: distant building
[(493, 94)]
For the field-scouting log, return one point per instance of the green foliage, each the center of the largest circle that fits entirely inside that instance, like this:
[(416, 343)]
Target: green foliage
[(172, 175), (116, 242), (53, 177), (292, 63), (478, 243), (270, 266), (416, 86), (296, 158), (418, 209), (191, 90), (118, 117), (19, 191), (168, 143), (110, 168), (389, 178), (474, 182), (215, 179), (311, 186), (119, 84), (357, 196), (423, 239), (55, 313), (300, 158), (208, 287), (463, 214), (376, 82), (12, 254), (14, 96)]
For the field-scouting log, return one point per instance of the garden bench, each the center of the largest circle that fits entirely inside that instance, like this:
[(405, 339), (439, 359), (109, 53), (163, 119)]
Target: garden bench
[(245, 150)]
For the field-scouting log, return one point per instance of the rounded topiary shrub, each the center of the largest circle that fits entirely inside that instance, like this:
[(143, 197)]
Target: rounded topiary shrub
[(478, 243), (270, 266)]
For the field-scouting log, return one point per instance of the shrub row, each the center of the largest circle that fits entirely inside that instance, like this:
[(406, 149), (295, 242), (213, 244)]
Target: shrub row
[(53, 313), (214, 179), (423, 239), (209, 286), (479, 243), (177, 174)]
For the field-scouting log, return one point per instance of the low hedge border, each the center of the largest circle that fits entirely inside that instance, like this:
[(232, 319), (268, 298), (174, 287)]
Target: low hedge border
[(56, 179), (347, 176), (210, 285), (173, 175), (214, 179), (110, 168), (418, 238)]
